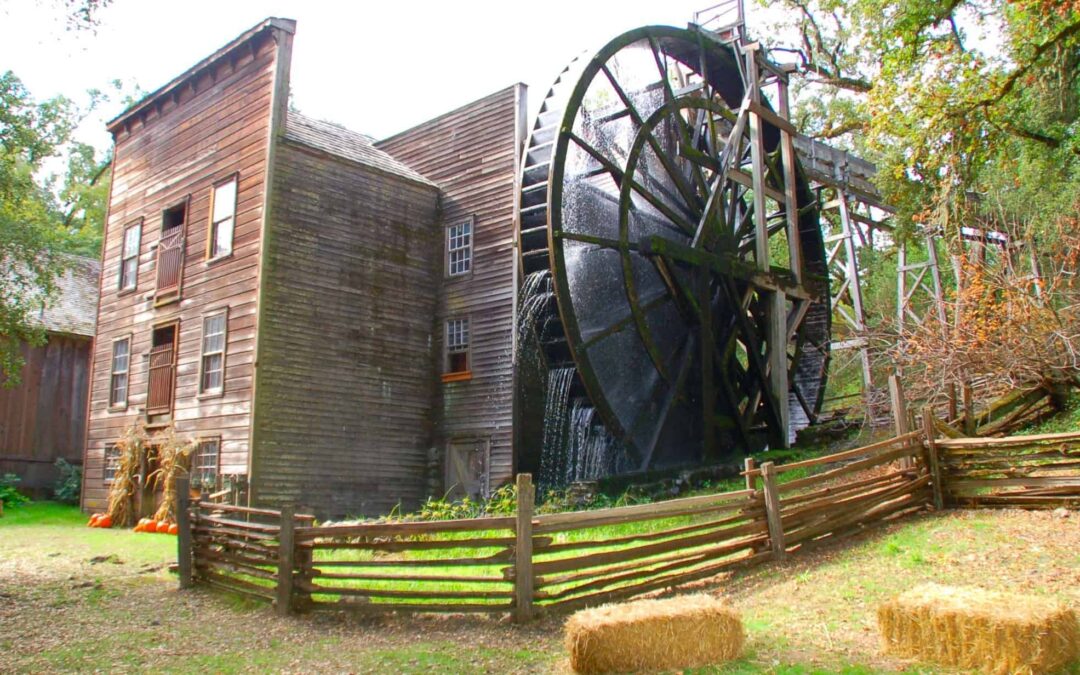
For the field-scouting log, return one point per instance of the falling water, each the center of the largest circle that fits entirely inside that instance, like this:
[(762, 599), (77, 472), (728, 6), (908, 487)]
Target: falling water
[(553, 456), (533, 300)]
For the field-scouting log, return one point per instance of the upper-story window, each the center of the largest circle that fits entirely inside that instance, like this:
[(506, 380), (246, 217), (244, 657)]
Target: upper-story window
[(129, 257), (118, 373), (212, 362), (222, 219), (459, 248)]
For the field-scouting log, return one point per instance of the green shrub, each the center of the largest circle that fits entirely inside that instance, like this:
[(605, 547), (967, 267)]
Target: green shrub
[(68, 487), (9, 495)]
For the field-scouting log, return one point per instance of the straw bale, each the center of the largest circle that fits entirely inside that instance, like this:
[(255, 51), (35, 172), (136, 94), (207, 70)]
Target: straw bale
[(681, 632), (975, 629)]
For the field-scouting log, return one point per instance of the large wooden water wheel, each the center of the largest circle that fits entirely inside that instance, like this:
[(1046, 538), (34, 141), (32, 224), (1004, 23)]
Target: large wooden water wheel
[(656, 203)]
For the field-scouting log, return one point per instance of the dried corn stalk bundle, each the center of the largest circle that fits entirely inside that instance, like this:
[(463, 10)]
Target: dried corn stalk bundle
[(985, 630), (173, 456), (670, 634), (130, 446)]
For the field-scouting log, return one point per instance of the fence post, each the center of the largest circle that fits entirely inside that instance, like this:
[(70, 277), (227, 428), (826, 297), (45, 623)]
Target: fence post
[(286, 561), (969, 409), (932, 454), (748, 466), (772, 511), (183, 535), (523, 569), (901, 421)]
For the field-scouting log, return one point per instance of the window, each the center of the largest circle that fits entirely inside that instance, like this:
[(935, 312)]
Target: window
[(457, 350), (118, 380), (204, 465), (459, 248), (112, 463), (129, 257), (222, 219), (212, 366)]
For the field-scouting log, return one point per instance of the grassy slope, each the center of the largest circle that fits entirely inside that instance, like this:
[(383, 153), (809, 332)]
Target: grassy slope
[(814, 614)]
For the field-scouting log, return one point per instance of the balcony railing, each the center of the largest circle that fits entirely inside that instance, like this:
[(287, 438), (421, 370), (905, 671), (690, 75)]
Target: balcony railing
[(170, 263)]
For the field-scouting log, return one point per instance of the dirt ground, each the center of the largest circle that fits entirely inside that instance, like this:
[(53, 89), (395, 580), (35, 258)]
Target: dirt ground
[(71, 601)]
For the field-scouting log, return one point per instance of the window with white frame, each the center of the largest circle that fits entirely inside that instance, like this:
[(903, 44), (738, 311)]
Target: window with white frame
[(129, 257), (205, 464), (457, 346), (222, 219), (111, 463), (459, 248), (118, 377), (212, 363)]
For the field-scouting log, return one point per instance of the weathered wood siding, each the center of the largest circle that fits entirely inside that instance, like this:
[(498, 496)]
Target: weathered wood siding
[(346, 361), (44, 418), (471, 153), (213, 124)]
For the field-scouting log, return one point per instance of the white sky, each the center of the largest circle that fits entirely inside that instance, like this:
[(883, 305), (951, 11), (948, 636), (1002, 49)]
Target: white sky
[(378, 68)]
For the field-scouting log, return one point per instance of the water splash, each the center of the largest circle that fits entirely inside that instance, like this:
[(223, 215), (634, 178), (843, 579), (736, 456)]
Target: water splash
[(536, 292), (553, 456)]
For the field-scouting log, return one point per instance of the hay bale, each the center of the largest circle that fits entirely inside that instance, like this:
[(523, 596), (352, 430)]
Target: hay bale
[(683, 632), (972, 628)]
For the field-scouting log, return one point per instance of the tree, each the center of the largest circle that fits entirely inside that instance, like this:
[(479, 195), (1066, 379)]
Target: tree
[(30, 241), (948, 98)]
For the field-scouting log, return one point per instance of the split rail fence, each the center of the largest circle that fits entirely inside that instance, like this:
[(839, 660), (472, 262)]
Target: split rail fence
[(529, 564)]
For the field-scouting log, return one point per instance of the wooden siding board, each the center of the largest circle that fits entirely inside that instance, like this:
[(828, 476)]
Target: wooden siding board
[(470, 153), (345, 376)]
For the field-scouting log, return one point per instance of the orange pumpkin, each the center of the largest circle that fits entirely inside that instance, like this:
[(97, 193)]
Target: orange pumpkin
[(104, 521), (93, 520), (174, 529), (162, 527), (151, 525)]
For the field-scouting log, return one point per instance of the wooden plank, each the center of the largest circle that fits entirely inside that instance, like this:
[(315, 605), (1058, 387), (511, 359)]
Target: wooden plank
[(773, 511), (712, 525), (839, 489), (411, 594), (859, 465), (410, 578), (1008, 442), (497, 558), (286, 562), (543, 567), (842, 456), (386, 607), (559, 522), (231, 508), (209, 520), (405, 528), (234, 585), (414, 545), (956, 486)]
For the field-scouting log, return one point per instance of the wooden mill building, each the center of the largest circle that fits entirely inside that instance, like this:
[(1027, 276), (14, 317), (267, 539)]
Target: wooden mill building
[(329, 316)]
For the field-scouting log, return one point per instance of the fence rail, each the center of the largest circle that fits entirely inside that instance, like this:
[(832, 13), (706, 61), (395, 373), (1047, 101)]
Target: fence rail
[(528, 564)]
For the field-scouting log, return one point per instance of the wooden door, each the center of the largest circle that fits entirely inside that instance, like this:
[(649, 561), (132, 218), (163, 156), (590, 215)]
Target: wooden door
[(467, 469)]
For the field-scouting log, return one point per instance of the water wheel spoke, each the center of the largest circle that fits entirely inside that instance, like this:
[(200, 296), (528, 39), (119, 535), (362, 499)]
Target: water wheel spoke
[(622, 323), (684, 131)]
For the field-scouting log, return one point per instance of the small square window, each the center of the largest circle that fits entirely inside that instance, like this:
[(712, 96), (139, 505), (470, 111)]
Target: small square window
[(459, 248), (112, 463), (457, 346)]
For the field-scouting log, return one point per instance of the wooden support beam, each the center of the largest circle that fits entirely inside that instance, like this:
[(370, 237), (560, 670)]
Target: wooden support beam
[(523, 549), (286, 562), (772, 511), (933, 460), (183, 523)]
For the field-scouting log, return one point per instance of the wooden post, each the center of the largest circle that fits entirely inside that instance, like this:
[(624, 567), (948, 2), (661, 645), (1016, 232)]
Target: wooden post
[(932, 456), (969, 409), (901, 421), (523, 570), (751, 481), (286, 561), (953, 407), (183, 523), (772, 511)]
